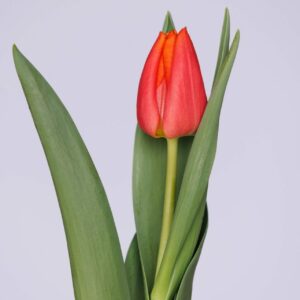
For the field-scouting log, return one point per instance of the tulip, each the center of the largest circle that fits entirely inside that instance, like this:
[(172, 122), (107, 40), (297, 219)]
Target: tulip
[(170, 103), (171, 97)]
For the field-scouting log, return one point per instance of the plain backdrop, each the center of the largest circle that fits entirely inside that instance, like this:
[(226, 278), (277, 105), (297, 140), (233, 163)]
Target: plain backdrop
[(92, 53)]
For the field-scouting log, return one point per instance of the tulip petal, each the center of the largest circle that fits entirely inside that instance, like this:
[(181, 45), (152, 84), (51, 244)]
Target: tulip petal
[(186, 98), (168, 52), (147, 106)]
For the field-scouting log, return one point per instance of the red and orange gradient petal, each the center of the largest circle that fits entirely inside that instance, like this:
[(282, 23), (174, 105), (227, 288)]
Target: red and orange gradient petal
[(171, 96), (186, 98), (147, 107)]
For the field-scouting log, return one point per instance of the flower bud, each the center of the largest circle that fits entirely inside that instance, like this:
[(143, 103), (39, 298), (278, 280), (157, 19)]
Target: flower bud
[(171, 96)]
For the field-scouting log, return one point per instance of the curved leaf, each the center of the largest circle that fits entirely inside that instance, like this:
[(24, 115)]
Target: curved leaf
[(188, 250), (97, 265), (184, 148), (135, 272), (149, 172), (186, 285), (224, 45), (196, 176), (149, 169), (185, 290)]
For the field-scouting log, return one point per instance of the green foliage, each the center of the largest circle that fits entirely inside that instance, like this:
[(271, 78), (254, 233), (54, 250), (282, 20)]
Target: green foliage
[(195, 178), (135, 275), (168, 23), (97, 265), (186, 284), (149, 171), (185, 289)]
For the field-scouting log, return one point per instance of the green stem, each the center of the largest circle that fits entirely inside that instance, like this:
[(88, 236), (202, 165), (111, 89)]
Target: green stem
[(169, 201)]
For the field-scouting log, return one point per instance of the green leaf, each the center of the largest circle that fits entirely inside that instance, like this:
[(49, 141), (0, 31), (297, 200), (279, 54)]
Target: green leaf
[(134, 272), (185, 290), (186, 285), (184, 147), (97, 265), (188, 250), (196, 177), (224, 44), (168, 23), (149, 172)]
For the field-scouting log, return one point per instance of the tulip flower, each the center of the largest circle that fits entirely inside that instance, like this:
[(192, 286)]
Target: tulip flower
[(163, 255), (171, 102), (171, 97)]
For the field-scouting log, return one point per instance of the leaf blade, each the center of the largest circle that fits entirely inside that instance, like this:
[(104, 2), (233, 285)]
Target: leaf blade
[(186, 285), (188, 250), (168, 23), (196, 176), (134, 272), (224, 44), (149, 170), (97, 265)]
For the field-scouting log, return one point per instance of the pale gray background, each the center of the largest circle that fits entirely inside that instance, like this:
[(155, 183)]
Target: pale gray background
[(92, 53)]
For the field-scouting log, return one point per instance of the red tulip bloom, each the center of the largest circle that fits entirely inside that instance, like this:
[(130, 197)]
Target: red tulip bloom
[(171, 96)]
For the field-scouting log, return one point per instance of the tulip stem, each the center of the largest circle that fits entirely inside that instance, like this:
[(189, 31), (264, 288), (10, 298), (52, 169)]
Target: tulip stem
[(169, 200)]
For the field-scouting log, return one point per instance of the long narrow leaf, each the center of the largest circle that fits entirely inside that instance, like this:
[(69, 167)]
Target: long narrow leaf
[(184, 147), (149, 169), (134, 272), (196, 176), (185, 289), (224, 45), (149, 172), (96, 261), (188, 250)]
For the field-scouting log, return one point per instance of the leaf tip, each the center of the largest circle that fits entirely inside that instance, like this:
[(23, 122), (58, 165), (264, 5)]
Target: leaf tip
[(15, 50), (168, 23), (237, 36), (227, 12), (227, 17), (17, 54)]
